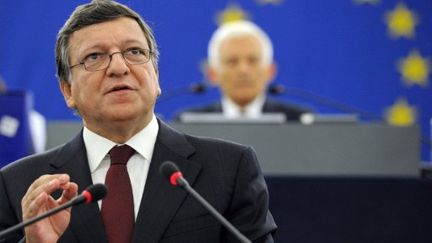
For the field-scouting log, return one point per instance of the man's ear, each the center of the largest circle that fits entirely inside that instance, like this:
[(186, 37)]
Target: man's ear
[(66, 90), (272, 72), (159, 90), (212, 75)]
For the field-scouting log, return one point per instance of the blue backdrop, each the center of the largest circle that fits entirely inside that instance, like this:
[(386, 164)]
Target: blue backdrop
[(369, 54)]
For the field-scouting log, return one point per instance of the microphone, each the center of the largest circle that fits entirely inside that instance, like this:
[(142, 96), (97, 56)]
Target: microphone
[(279, 89), (194, 88), (198, 88), (91, 194), (172, 173)]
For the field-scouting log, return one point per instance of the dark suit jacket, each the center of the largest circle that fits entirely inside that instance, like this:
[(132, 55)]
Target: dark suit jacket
[(226, 174), (291, 112)]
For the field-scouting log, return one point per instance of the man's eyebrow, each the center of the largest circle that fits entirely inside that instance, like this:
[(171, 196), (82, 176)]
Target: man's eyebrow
[(138, 42), (90, 47), (101, 46)]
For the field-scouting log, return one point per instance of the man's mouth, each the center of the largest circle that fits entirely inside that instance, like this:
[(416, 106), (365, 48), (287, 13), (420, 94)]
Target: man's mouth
[(119, 88)]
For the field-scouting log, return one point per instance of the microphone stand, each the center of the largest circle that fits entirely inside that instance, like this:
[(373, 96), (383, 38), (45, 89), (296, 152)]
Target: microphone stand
[(194, 88), (92, 193), (280, 89), (77, 200), (185, 185)]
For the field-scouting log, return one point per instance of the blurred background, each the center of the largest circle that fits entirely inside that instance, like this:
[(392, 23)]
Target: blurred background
[(370, 57)]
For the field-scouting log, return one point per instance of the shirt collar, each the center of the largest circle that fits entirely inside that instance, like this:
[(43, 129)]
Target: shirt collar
[(251, 110), (98, 147)]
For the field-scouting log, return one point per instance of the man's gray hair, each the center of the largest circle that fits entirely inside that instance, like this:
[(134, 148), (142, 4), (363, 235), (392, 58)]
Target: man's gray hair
[(98, 11), (238, 29)]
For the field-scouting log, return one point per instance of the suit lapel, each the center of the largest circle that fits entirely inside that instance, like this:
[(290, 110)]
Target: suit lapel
[(217, 107), (161, 201), (86, 222)]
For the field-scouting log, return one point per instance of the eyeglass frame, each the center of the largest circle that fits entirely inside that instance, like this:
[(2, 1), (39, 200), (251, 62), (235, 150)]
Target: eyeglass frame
[(150, 53)]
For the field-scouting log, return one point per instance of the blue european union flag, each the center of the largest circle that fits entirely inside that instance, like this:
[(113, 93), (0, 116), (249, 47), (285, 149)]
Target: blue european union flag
[(374, 55)]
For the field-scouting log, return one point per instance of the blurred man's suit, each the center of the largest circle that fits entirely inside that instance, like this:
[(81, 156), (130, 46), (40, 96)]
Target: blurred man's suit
[(291, 112)]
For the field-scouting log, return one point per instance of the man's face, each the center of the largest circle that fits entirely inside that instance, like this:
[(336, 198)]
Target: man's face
[(122, 92), (242, 75)]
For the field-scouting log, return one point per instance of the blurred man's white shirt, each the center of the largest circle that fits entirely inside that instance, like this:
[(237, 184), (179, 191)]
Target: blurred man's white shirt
[(252, 110)]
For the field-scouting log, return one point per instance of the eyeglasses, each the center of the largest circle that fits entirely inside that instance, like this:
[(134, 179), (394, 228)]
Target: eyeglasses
[(101, 61)]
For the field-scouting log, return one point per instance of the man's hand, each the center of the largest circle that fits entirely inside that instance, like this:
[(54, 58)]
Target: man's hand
[(38, 200)]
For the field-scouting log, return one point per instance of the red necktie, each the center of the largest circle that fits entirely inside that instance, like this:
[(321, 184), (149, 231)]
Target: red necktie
[(118, 207)]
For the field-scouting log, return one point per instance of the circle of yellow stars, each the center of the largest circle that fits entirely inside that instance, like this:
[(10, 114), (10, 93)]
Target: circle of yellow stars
[(414, 68)]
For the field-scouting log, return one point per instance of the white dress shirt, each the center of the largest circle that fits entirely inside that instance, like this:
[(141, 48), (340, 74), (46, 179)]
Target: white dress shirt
[(252, 110), (138, 165)]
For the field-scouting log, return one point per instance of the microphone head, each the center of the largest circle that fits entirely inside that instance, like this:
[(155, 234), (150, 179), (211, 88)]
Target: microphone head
[(198, 88), (171, 172), (95, 192), (276, 89)]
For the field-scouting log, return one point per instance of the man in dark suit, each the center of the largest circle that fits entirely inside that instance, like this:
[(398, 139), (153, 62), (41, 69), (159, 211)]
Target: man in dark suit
[(106, 59), (240, 63)]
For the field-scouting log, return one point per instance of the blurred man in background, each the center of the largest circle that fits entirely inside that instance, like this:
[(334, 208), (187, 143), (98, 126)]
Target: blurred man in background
[(240, 63)]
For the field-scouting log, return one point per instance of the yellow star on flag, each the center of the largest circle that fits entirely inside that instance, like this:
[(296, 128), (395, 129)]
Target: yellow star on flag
[(414, 69), (401, 21), (401, 114), (230, 14)]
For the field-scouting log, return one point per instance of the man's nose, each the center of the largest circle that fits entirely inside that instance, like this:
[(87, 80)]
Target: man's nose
[(118, 64), (243, 66)]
